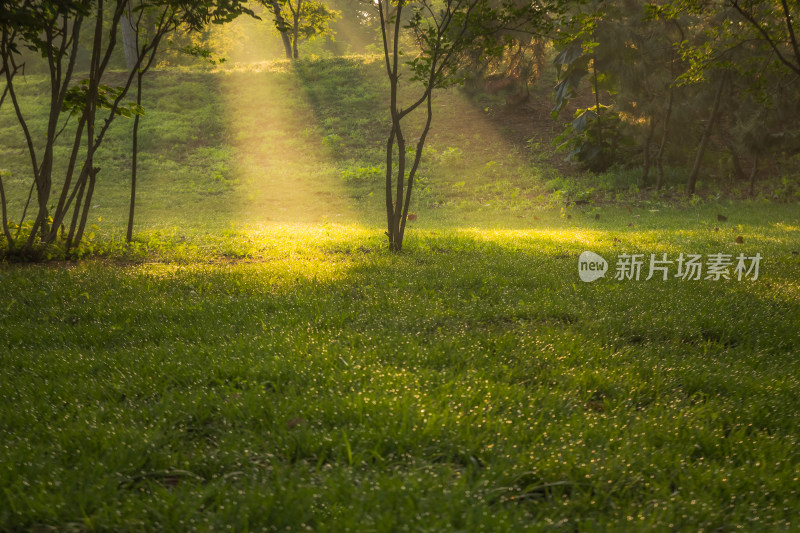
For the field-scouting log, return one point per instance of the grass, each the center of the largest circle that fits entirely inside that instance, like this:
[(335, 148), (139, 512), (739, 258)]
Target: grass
[(255, 362)]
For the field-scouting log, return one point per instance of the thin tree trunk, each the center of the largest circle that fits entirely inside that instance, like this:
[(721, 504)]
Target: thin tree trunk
[(28, 140), (690, 189), (597, 102), (91, 110), (62, 206), (393, 208), (792, 37), (13, 72), (87, 205), (5, 92), (3, 38), (738, 172), (25, 209), (142, 69), (296, 28), (647, 142), (58, 86), (81, 188), (753, 174), (390, 140), (6, 231), (389, 176), (663, 144), (134, 157), (412, 173), (135, 140), (400, 184)]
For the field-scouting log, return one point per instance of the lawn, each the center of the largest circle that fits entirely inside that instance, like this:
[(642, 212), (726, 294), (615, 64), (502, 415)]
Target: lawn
[(258, 360)]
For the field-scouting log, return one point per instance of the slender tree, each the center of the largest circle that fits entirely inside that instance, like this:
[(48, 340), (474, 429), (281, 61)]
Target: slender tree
[(149, 22), (444, 35), (306, 19)]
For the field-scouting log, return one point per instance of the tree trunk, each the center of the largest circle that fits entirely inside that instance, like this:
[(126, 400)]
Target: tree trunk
[(296, 28), (80, 188), (662, 146), (389, 175), (736, 163), (706, 135), (280, 23), (58, 84), (134, 158), (397, 238), (395, 135), (91, 110), (63, 206), (87, 204), (413, 172), (6, 231), (753, 174), (597, 102), (646, 152), (12, 69)]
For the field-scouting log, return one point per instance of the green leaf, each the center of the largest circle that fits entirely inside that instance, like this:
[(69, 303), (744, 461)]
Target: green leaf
[(583, 120), (569, 54)]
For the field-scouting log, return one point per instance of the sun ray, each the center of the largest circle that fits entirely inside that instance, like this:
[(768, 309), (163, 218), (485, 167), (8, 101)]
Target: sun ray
[(284, 170)]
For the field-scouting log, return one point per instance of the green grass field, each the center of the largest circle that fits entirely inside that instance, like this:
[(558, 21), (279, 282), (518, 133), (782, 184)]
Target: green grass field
[(258, 360)]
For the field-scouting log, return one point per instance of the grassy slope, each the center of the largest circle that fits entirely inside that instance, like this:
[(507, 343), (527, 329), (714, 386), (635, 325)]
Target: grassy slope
[(278, 368)]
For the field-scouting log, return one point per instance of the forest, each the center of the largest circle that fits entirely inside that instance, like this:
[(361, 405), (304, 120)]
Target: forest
[(381, 265)]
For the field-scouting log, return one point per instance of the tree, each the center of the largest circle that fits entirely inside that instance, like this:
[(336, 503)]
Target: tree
[(54, 30), (444, 35), (282, 26), (308, 19)]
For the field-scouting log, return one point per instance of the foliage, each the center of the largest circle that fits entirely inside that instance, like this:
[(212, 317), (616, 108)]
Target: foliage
[(593, 138), (107, 98), (307, 19)]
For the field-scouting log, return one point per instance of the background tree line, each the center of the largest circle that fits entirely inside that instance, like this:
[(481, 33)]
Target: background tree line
[(668, 78)]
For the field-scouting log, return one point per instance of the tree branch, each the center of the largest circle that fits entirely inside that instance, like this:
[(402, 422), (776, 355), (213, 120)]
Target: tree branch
[(787, 14), (767, 37)]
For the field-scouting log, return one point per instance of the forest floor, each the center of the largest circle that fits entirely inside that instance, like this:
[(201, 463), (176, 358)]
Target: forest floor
[(258, 360)]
